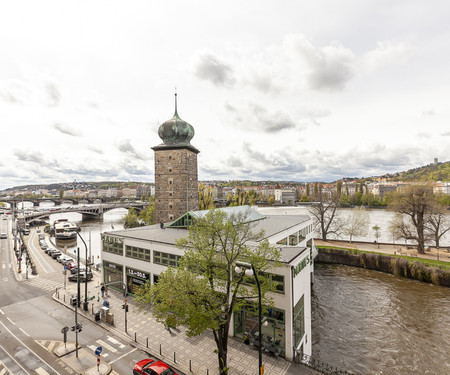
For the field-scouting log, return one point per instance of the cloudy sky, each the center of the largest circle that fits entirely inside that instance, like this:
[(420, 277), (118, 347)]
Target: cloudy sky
[(280, 90)]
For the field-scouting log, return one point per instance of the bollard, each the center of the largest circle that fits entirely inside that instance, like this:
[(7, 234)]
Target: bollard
[(64, 298), (207, 371), (174, 357), (135, 340), (92, 308), (147, 342), (190, 366), (160, 349)]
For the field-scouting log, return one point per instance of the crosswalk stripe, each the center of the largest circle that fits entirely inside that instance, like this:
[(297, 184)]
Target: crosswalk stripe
[(41, 371), (50, 347), (2, 371), (107, 346), (114, 341)]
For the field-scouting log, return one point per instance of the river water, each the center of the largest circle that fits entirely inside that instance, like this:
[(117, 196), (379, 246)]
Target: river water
[(374, 323)]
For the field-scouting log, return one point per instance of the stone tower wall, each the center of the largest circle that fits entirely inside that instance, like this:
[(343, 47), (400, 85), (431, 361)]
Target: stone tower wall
[(176, 183)]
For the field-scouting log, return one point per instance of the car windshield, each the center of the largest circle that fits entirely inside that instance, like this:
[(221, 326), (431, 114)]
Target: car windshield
[(169, 371)]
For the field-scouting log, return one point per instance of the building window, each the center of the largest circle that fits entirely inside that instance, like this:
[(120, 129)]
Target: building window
[(155, 279), (299, 321), (138, 253), (166, 259), (112, 244), (170, 169), (276, 281)]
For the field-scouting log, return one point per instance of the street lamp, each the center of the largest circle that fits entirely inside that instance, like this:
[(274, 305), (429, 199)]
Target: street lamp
[(249, 271), (85, 305)]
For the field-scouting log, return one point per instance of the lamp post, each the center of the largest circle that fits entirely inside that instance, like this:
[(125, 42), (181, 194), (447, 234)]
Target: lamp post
[(85, 304), (249, 271)]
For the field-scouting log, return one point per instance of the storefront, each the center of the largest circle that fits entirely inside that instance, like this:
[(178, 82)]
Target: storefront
[(113, 275), (272, 328), (136, 279)]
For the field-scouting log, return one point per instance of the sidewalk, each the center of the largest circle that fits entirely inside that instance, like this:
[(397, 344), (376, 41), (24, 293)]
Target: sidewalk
[(431, 253), (193, 355)]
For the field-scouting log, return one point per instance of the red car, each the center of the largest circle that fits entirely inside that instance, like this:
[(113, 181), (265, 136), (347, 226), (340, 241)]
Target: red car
[(152, 367)]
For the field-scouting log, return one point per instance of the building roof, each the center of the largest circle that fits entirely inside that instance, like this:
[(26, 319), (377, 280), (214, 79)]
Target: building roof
[(176, 133), (271, 224)]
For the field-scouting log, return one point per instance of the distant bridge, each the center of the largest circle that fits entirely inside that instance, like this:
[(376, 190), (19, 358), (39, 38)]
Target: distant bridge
[(88, 212), (57, 201)]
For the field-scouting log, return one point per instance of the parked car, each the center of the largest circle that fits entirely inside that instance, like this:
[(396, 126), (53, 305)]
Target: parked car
[(67, 260), (74, 270), (50, 251), (71, 265), (82, 276), (3, 235), (56, 254), (152, 367)]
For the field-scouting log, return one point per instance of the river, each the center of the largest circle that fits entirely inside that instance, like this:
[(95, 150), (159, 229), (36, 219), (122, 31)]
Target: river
[(374, 323)]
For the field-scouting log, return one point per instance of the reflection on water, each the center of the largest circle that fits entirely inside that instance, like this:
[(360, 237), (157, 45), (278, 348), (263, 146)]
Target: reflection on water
[(374, 323)]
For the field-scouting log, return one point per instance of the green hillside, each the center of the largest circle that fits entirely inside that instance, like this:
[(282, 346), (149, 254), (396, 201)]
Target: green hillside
[(429, 173)]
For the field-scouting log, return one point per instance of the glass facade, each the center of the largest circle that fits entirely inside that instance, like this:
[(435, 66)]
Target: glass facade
[(138, 253), (112, 244), (113, 275), (166, 259), (272, 328), (299, 321), (136, 279)]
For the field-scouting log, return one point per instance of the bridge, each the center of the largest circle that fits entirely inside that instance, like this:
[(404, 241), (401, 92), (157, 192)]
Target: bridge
[(57, 201), (88, 212)]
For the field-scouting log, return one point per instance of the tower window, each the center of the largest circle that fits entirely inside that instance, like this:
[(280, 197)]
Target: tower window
[(170, 169)]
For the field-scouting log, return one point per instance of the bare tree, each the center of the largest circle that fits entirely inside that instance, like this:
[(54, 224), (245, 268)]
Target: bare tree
[(325, 213), (414, 203), (437, 223), (357, 224)]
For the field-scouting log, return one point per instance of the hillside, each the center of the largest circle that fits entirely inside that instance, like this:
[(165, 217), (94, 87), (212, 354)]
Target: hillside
[(431, 173)]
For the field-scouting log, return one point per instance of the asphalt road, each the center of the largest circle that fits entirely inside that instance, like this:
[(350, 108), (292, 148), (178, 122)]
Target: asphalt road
[(31, 323)]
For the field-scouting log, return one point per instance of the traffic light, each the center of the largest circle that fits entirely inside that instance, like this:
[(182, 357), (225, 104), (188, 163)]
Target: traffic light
[(125, 306), (77, 328)]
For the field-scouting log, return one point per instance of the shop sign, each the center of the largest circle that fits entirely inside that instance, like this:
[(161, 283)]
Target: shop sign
[(142, 275), (298, 268), (137, 281), (113, 266)]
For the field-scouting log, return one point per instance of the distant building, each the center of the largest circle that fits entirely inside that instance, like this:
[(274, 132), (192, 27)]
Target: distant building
[(176, 174), (285, 196)]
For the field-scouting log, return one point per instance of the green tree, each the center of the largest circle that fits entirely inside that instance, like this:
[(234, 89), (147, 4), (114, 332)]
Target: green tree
[(270, 200), (205, 197), (203, 292), (131, 220), (339, 188), (376, 228), (147, 215)]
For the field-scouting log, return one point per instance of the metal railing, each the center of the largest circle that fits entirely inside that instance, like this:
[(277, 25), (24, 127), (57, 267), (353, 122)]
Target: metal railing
[(319, 365)]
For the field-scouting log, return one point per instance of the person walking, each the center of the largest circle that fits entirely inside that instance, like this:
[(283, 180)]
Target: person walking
[(103, 290)]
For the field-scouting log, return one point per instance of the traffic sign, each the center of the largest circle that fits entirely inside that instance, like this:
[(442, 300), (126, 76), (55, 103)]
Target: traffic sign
[(20, 259), (65, 329), (98, 350)]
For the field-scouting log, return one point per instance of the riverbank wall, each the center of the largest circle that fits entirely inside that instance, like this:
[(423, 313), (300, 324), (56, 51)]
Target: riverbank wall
[(398, 266)]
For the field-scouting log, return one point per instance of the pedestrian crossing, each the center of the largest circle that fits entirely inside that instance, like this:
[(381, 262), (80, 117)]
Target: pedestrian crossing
[(110, 346), (45, 284), (4, 369), (9, 367)]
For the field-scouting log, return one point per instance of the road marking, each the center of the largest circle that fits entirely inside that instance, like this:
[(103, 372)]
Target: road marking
[(24, 332), (11, 321), (41, 371), (12, 334), (92, 347), (1, 311), (107, 346), (3, 371), (131, 351), (50, 347), (114, 341), (12, 356)]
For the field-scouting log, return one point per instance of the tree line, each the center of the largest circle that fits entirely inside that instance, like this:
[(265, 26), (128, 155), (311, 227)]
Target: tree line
[(420, 216)]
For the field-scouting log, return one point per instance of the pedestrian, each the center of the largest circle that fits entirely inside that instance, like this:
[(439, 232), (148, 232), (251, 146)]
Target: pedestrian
[(103, 290)]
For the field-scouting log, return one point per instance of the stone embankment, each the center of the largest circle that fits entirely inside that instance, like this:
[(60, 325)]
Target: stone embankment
[(393, 259)]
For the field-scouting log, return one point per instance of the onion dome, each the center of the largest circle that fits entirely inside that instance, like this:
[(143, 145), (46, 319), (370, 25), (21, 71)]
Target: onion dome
[(176, 132)]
